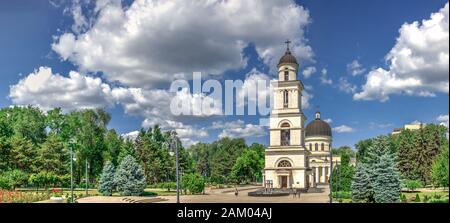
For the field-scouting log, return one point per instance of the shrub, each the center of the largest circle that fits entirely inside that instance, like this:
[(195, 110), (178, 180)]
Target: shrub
[(107, 180), (433, 200), (13, 179), (417, 198), (426, 198), (129, 178), (412, 185), (403, 198), (193, 182)]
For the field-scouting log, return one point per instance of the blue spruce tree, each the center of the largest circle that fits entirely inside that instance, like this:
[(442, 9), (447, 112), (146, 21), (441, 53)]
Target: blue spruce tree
[(362, 190), (129, 178), (386, 180), (106, 186)]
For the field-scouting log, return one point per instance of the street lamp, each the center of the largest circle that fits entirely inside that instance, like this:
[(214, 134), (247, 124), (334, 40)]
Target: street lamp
[(174, 142), (331, 177), (87, 177), (71, 144)]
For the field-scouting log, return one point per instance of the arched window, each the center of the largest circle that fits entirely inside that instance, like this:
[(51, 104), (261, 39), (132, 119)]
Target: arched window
[(285, 98), (285, 137), (286, 75), (317, 147), (322, 147), (284, 163), (310, 146), (285, 125)]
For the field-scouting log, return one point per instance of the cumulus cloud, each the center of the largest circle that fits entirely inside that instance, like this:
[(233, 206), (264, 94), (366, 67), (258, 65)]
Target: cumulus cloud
[(47, 90), (355, 68), (443, 120), (324, 77), (346, 86), (150, 42), (343, 129), (418, 63), (238, 128), (328, 120), (307, 72)]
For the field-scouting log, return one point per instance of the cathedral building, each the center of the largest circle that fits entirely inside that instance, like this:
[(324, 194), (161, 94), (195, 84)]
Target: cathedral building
[(297, 157)]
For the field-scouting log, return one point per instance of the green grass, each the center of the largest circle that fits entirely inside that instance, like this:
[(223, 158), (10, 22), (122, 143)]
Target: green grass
[(436, 195)]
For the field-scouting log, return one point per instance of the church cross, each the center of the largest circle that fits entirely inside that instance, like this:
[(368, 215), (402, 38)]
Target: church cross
[(287, 43)]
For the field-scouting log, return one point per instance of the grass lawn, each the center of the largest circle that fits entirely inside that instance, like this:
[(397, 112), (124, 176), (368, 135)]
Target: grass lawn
[(411, 196)]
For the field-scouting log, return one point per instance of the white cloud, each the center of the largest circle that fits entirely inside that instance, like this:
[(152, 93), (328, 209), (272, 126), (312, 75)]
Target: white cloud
[(374, 125), (324, 77), (227, 125), (443, 120), (355, 68), (328, 120), (47, 90), (150, 42), (418, 63), (343, 129), (307, 72), (238, 128), (130, 135), (345, 86)]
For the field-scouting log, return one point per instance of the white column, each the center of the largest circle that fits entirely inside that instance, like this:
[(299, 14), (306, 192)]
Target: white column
[(317, 174), (323, 174)]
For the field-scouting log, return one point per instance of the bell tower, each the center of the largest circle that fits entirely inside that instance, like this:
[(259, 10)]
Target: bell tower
[(286, 157)]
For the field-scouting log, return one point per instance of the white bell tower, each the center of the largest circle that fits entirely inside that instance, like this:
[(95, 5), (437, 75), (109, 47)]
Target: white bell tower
[(286, 158)]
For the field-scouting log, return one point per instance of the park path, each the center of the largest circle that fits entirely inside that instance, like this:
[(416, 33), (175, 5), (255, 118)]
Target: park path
[(225, 195)]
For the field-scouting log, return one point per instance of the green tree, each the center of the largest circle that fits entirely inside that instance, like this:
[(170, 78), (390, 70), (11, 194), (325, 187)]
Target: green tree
[(113, 146), (193, 182), (248, 166), (52, 156), (440, 171), (412, 184), (23, 154), (343, 174), (106, 184), (129, 178), (362, 148)]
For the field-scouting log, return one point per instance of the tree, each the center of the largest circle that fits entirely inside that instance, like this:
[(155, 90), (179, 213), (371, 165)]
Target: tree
[(52, 156), (440, 171), (193, 182), (412, 184), (129, 178), (248, 166), (342, 178), (23, 154), (362, 190), (106, 184), (362, 148), (113, 146), (343, 149), (386, 180)]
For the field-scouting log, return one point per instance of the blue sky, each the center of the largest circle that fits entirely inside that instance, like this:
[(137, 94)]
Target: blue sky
[(327, 35)]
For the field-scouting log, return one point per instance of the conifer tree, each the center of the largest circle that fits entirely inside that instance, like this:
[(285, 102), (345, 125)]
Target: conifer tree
[(362, 190), (129, 178), (386, 180), (106, 184)]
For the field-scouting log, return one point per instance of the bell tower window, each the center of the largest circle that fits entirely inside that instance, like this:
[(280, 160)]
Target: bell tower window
[(285, 134), (286, 75), (285, 99)]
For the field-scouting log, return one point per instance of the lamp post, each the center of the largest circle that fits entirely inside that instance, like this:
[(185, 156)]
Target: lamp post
[(71, 143), (173, 141), (331, 177), (87, 177), (177, 167)]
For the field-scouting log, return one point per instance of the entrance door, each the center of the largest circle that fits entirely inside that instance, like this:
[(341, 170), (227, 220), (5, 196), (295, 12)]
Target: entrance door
[(283, 181)]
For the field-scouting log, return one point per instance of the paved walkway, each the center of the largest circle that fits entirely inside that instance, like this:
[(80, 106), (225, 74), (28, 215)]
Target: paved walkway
[(217, 196)]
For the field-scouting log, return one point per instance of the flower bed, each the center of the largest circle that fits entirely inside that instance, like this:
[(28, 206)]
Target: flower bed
[(22, 197)]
